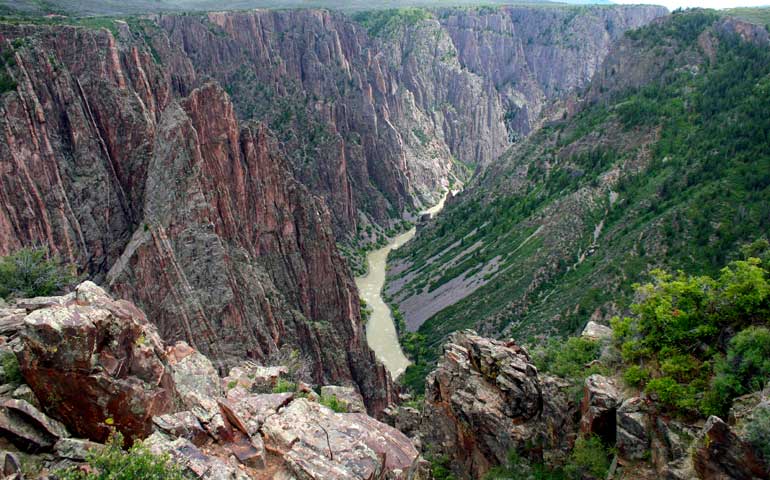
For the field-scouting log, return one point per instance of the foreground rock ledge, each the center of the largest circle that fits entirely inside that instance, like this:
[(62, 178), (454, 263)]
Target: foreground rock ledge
[(97, 364)]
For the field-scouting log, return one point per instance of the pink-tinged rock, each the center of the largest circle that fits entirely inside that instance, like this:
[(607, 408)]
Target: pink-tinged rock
[(251, 410), (182, 425), (95, 364), (192, 371), (348, 397), (193, 460), (319, 443), (29, 428)]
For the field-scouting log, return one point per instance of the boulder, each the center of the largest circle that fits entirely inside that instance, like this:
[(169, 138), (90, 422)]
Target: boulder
[(10, 467), (485, 398), (348, 397), (102, 359), (194, 462), (75, 448), (633, 439), (192, 371), (598, 408), (29, 428), (595, 331), (720, 454), (318, 443), (254, 377), (183, 425), (251, 410)]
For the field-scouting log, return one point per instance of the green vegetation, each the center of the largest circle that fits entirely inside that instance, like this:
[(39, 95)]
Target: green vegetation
[(517, 468), (758, 15), (573, 360), (332, 402), (114, 463), (31, 272), (386, 23), (441, 467), (675, 344), (284, 386), (758, 430), (692, 165), (7, 62), (11, 369), (589, 459)]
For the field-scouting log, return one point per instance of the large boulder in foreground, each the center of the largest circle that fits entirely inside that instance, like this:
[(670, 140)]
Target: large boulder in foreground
[(95, 364), (317, 443), (485, 398)]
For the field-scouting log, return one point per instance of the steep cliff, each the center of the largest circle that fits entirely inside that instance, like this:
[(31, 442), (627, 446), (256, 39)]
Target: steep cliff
[(667, 152), (373, 110), (176, 205)]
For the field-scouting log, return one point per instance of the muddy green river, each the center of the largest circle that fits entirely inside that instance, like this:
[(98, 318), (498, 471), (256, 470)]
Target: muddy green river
[(380, 330)]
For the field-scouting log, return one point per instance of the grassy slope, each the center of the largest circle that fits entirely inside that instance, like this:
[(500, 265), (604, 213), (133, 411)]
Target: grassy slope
[(693, 162)]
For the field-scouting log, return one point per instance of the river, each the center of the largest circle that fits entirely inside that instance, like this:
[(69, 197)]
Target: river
[(380, 330)]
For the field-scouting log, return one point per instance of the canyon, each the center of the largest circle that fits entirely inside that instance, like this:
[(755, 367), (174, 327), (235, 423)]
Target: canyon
[(230, 196), (204, 166)]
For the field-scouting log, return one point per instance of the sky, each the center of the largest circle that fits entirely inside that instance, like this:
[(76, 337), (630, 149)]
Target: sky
[(674, 4)]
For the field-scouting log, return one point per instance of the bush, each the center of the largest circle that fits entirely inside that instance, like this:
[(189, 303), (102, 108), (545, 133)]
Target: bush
[(758, 431), (745, 369), (678, 333), (31, 273), (569, 360), (11, 368), (517, 468), (440, 467), (114, 463), (588, 458), (332, 402), (284, 386), (636, 376)]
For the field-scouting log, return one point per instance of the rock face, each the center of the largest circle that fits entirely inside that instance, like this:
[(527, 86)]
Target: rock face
[(533, 56), (97, 364), (722, 454), (181, 209), (382, 115), (486, 398)]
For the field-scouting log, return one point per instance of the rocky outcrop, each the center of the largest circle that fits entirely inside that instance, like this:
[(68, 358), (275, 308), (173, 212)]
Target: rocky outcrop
[(121, 376), (177, 206), (721, 454), (598, 408), (97, 364), (485, 398)]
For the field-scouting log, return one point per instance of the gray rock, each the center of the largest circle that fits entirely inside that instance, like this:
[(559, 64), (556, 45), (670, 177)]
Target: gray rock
[(348, 397), (193, 460), (75, 448), (595, 331)]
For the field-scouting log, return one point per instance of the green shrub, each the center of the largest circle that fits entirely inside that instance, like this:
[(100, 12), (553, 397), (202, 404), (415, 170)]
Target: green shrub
[(745, 369), (284, 386), (31, 273), (517, 468), (11, 368), (679, 323), (588, 458), (441, 468), (332, 402), (636, 376), (758, 431), (569, 360), (114, 463)]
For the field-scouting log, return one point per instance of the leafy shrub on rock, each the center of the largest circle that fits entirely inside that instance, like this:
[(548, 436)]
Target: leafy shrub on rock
[(31, 272), (758, 431), (677, 344), (114, 463)]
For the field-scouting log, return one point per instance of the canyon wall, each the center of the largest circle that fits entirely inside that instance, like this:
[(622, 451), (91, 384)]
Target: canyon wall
[(173, 204)]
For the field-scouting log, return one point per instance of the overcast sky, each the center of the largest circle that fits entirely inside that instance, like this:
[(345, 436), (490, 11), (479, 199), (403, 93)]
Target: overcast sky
[(674, 4)]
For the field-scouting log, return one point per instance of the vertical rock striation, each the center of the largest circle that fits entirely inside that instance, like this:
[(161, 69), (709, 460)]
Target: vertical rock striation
[(173, 203)]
